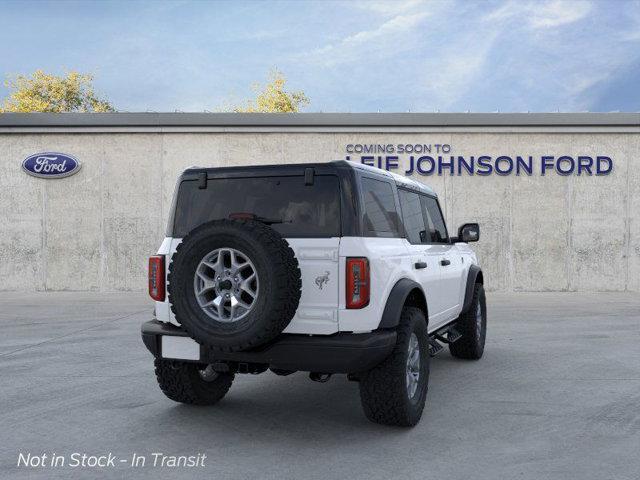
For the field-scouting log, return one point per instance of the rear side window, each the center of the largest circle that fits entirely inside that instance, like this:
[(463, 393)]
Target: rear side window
[(285, 203), (412, 216), (380, 214), (437, 226)]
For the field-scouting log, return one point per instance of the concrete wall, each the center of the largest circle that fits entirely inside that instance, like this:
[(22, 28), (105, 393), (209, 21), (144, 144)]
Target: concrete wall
[(94, 230)]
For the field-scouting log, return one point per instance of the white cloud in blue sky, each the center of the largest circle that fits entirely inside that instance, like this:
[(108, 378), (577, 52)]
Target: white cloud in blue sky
[(508, 55)]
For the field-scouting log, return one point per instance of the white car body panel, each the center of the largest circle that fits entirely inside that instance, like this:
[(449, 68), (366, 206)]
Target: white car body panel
[(429, 278), (322, 311), (318, 258), (389, 261)]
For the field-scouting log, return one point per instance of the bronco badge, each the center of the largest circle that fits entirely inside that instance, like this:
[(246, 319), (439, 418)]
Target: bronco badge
[(322, 279)]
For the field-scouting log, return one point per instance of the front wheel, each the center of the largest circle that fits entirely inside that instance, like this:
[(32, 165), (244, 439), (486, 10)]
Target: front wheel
[(395, 391), (192, 383)]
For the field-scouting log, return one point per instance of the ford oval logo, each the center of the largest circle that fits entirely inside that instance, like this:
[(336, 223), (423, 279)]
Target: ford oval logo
[(51, 165)]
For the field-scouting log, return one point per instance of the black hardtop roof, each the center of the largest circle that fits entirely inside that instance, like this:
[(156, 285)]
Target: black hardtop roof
[(272, 169), (320, 168)]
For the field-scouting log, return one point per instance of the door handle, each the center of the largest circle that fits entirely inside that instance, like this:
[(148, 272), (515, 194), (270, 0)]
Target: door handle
[(420, 265), (445, 262)]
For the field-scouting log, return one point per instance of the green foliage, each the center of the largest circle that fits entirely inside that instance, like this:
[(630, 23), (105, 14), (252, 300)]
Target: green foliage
[(42, 92), (273, 98)]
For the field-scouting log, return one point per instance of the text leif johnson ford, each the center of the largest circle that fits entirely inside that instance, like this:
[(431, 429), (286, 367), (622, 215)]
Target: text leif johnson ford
[(325, 268)]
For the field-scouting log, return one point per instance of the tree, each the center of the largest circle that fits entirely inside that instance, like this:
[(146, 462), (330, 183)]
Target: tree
[(43, 92), (273, 98)]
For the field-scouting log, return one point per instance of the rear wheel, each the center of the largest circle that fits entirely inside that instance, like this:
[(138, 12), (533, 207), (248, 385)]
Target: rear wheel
[(472, 325), (192, 383), (394, 392)]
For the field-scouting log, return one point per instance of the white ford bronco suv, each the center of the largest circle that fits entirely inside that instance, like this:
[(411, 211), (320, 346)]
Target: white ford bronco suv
[(325, 268)]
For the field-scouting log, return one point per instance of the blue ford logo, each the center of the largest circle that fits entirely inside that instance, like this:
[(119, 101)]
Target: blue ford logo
[(51, 165)]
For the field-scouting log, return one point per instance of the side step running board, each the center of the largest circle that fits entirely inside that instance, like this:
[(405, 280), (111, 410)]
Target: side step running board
[(434, 347), (451, 336)]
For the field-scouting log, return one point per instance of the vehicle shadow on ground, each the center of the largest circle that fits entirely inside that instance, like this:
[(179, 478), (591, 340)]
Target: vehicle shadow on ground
[(286, 409)]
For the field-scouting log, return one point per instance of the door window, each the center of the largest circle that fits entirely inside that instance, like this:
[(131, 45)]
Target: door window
[(412, 216), (437, 227), (380, 214)]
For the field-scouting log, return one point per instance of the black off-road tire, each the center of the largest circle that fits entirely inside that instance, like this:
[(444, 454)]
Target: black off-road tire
[(278, 272), (473, 330), (182, 382), (383, 389)]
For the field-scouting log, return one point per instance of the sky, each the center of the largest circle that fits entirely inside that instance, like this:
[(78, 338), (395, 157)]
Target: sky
[(347, 56)]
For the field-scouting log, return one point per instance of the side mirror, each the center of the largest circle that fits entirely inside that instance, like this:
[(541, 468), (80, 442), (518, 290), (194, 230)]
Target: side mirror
[(469, 232)]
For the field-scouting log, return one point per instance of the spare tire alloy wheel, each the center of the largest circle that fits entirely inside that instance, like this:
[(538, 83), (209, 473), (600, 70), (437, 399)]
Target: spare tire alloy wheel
[(226, 285), (234, 285)]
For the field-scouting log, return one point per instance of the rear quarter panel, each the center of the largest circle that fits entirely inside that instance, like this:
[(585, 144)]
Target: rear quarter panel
[(389, 261)]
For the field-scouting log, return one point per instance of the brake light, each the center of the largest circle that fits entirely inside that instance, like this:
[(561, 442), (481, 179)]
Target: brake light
[(242, 216), (156, 277), (358, 286)]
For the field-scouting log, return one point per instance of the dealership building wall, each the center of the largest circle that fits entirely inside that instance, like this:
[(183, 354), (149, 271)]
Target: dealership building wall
[(94, 230)]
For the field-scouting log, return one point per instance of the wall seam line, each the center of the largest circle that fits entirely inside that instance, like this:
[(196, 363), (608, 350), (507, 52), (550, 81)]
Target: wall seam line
[(570, 255), (45, 254), (101, 282), (510, 249), (627, 228)]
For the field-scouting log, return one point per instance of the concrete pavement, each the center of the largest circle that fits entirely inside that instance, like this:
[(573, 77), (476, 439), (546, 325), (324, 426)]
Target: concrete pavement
[(557, 395)]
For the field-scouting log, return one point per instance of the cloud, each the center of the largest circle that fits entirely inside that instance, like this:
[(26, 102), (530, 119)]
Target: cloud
[(390, 37), (398, 24), (556, 13), (557, 62), (458, 66), (388, 8), (541, 15), (508, 55)]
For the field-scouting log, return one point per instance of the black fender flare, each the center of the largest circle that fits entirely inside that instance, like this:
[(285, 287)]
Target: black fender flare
[(474, 276), (397, 298)]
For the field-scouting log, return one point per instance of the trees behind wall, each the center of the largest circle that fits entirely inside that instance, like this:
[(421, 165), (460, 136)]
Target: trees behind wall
[(44, 92), (273, 98), (73, 92)]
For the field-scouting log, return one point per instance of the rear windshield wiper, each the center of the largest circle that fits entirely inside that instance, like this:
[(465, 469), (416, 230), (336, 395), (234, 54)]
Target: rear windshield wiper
[(256, 218)]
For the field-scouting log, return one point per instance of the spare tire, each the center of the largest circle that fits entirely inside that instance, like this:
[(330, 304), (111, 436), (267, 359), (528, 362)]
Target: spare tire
[(234, 285)]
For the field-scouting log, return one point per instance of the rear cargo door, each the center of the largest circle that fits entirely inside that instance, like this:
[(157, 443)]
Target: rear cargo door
[(305, 211), (318, 310)]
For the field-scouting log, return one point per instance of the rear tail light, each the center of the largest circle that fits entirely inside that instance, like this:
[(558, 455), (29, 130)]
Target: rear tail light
[(358, 286), (156, 277)]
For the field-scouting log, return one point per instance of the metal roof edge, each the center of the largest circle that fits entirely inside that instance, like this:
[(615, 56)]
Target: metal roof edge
[(293, 120)]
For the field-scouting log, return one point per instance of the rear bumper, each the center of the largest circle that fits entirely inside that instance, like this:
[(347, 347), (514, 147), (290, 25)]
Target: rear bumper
[(338, 353)]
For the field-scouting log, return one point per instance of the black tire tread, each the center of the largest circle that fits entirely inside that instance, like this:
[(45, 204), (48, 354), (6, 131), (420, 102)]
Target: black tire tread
[(180, 382), (383, 390), (469, 347), (286, 269)]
